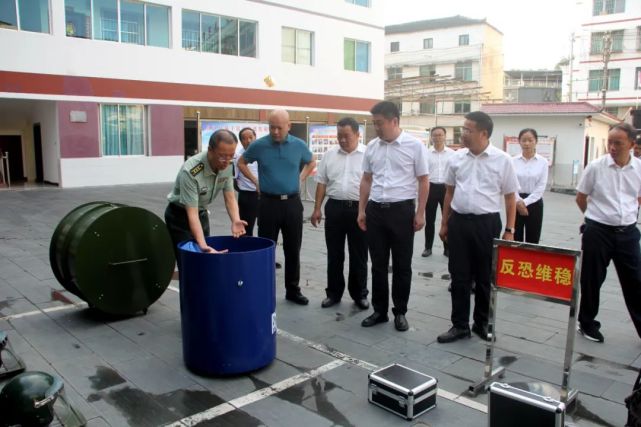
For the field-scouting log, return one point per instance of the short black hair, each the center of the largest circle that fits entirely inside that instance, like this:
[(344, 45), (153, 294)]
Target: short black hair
[(240, 134), (627, 128), (222, 135), (387, 109), (438, 127), (349, 121), (483, 121), (529, 130)]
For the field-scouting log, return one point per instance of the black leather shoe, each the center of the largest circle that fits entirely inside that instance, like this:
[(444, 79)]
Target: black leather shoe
[(454, 334), (481, 332), (426, 253), (374, 319), (298, 298), (278, 265), (362, 303), (400, 323), (328, 302)]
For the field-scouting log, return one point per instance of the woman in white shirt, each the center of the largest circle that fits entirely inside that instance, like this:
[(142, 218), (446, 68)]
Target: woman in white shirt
[(532, 173)]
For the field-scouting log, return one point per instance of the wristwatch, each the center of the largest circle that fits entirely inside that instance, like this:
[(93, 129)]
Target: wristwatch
[(510, 230)]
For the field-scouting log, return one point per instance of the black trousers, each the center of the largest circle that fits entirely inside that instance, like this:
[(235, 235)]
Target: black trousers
[(470, 238), (435, 198), (528, 228), (178, 225), (600, 244), (284, 216), (390, 229), (340, 223), (248, 209)]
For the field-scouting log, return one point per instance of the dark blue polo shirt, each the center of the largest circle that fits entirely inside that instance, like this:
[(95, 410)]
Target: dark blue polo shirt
[(279, 165)]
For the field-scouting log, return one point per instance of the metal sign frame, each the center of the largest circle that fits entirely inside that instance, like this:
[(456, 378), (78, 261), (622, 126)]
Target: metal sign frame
[(490, 373)]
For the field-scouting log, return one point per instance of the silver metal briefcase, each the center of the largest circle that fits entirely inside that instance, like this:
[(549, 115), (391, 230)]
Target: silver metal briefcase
[(402, 390)]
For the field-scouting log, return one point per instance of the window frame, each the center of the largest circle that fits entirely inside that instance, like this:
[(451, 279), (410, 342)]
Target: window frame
[(219, 32), (460, 106), (429, 41), (312, 50), (19, 26), (396, 75), (356, 3), (637, 78), (395, 46), (459, 65), (369, 54), (596, 41), (146, 148), (595, 80), (617, 6), (464, 39)]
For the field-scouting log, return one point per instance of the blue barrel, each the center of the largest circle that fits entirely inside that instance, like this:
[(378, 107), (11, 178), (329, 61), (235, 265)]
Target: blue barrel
[(228, 305)]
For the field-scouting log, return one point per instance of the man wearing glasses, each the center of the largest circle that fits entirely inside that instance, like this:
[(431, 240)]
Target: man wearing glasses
[(199, 180), (477, 178)]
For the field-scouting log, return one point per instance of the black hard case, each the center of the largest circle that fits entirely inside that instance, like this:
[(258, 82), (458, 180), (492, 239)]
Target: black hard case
[(510, 406), (402, 390)]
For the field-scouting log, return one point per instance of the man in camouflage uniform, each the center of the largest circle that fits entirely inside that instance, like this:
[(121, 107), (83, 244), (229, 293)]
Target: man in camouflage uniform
[(198, 182)]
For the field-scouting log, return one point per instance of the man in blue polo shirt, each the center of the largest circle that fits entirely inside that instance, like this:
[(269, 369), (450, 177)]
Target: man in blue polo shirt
[(284, 161)]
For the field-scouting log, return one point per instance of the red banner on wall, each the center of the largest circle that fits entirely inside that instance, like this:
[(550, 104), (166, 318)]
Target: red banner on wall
[(537, 272)]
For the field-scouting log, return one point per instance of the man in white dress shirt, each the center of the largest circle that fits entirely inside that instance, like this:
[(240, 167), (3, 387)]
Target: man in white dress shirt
[(338, 176), (247, 191), (609, 195), (477, 179), (393, 164), (437, 157)]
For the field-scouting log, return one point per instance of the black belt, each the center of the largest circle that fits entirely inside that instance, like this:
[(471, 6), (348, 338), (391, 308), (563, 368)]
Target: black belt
[(345, 203), (280, 196), (387, 205), (247, 191), (612, 228), (474, 216), (524, 195)]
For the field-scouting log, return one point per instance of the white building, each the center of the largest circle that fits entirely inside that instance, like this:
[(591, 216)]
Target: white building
[(579, 131), (439, 69), (621, 21), (99, 92)]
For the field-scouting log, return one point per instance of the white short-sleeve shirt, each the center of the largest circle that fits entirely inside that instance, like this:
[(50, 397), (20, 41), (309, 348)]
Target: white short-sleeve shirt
[(532, 175), (341, 172), (612, 190), (481, 181), (395, 166), (437, 161)]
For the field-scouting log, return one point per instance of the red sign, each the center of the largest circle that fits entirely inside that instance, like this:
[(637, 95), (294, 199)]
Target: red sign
[(536, 272)]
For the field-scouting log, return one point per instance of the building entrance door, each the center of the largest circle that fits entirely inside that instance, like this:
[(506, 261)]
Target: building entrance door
[(12, 146)]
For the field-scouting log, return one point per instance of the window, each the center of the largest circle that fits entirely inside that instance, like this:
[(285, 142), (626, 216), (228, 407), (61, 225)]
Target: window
[(638, 38), (78, 18), (27, 15), (637, 78), (428, 70), (464, 40), (607, 7), (356, 55), (139, 23), (596, 80), (428, 43), (122, 130), (297, 46), (462, 106), (463, 71), (597, 42), (394, 73), (394, 46), (364, 3), (427, 107), (218, 34)]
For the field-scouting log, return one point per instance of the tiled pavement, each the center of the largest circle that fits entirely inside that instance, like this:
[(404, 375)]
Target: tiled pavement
[(130, 372)]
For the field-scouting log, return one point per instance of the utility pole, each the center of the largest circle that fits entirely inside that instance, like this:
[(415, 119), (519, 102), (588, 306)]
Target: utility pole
[(607, 51), (570, 65)]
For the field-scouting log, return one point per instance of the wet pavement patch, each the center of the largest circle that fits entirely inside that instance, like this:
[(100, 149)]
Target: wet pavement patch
[(507, 360), (428, 274), (235, 418), (318, 389), (105, 378)]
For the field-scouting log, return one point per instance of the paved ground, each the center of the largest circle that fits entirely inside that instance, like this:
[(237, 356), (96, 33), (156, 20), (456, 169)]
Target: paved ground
[(130, 372)]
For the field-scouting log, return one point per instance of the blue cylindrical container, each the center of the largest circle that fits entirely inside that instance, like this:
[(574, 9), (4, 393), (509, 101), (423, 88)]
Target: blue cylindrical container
[(228, 305)]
